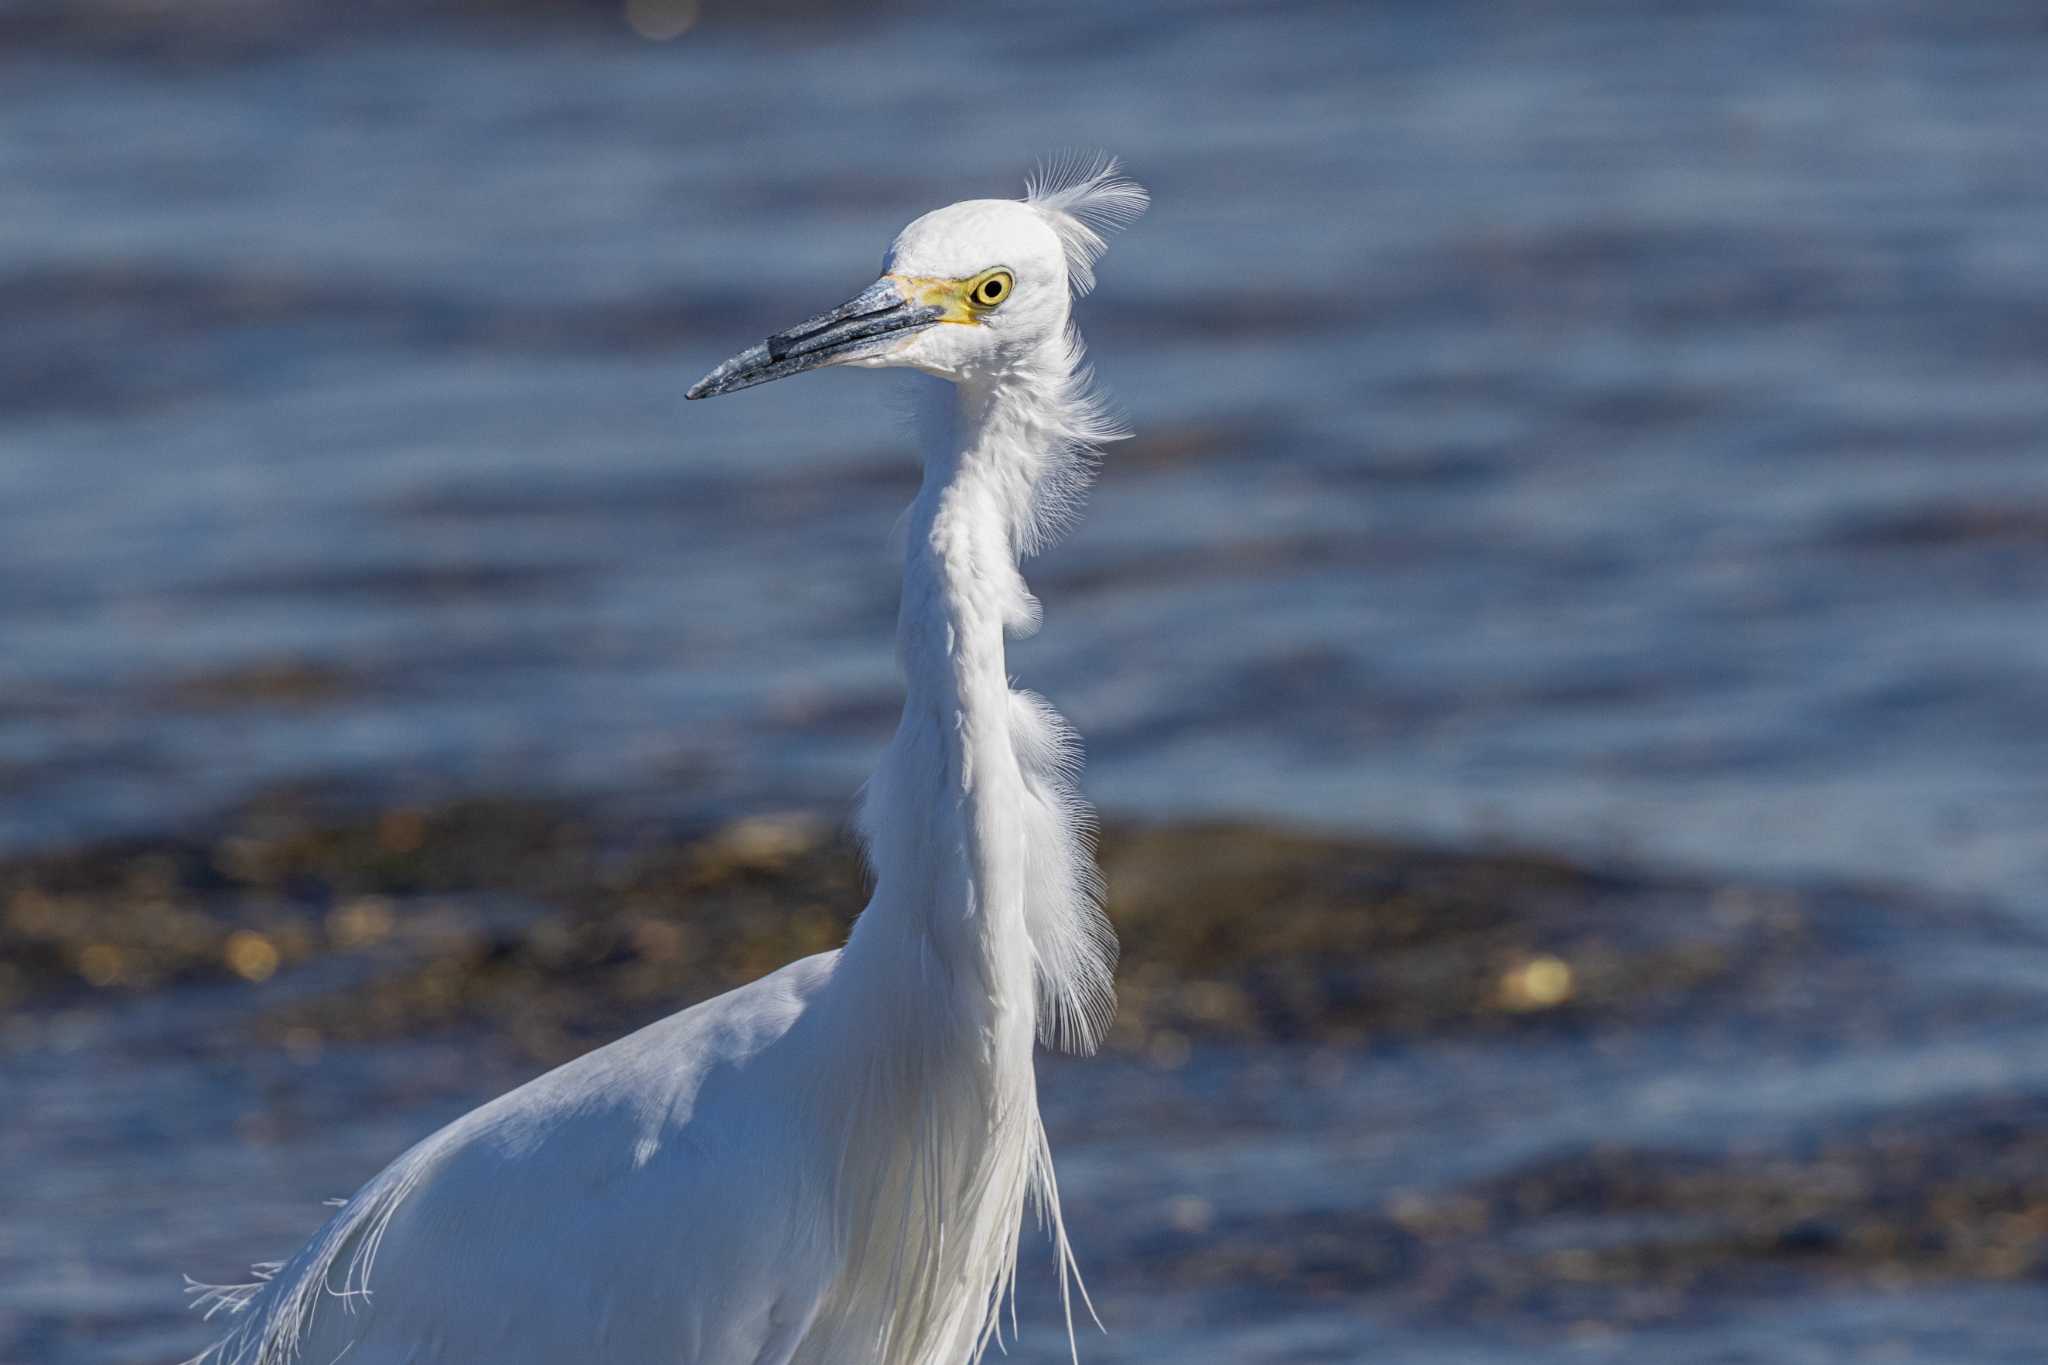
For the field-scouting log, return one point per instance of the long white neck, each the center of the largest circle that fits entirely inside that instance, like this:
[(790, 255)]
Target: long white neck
[(979, 846), (941, 812), (984, 918)]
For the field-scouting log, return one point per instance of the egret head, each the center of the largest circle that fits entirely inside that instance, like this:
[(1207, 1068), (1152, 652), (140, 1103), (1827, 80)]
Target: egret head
[(966, 291)]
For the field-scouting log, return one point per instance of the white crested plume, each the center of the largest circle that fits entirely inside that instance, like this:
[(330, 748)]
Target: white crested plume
[(1085, 196)]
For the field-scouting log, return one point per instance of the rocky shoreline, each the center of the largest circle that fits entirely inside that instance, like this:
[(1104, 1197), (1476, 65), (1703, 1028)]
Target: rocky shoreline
[(515, 915)]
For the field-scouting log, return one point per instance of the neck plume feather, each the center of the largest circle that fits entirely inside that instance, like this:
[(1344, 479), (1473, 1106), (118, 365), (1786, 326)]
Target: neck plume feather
[(987, 904)]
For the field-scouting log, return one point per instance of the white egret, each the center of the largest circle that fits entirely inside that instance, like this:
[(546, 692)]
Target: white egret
[(830, 1165)]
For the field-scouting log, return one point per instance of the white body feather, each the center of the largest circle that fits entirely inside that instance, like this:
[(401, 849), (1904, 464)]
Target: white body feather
[(830, 1165)]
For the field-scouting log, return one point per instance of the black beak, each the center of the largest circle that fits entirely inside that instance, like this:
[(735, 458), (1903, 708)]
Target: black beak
[(861, 326)]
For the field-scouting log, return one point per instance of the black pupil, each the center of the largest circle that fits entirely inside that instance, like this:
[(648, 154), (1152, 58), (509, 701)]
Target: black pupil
[(992, 290)]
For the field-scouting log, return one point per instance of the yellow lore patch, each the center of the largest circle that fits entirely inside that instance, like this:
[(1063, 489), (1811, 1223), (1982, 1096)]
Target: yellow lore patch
[(966, 300)]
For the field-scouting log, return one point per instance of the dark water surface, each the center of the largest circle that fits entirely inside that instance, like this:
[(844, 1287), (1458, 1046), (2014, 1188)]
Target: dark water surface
[(1606, 430), (1586, 427)]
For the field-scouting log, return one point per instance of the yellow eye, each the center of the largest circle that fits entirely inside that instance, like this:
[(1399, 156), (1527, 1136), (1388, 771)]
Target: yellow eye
[(991, 289)]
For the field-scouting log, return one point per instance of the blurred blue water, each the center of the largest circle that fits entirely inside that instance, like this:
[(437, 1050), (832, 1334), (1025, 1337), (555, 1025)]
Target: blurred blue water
[(1611, 430), (163, 1142)]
